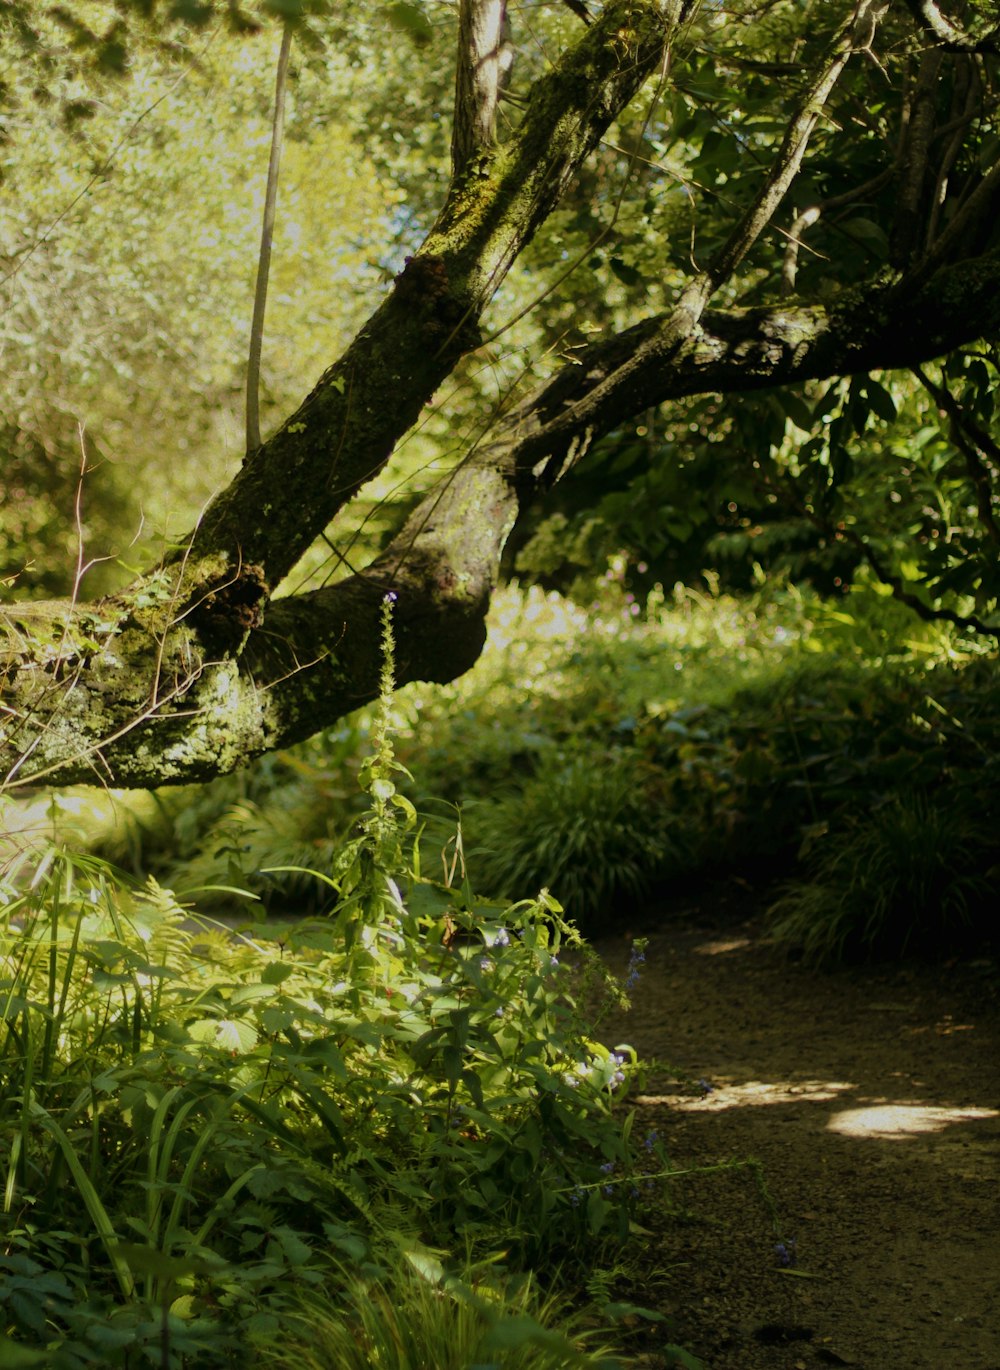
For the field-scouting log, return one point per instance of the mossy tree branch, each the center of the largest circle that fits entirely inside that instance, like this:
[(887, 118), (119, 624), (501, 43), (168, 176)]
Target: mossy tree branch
[(94, 709)]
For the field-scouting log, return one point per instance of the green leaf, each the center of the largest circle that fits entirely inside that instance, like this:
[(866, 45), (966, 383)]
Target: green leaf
[(796, 409), (628, 275), (228, 1034), (91, 1200), (676, 1355), (276, 973), (15, 1357), (867, 232), (426, 1264), (247, 993), (880, 400), (411, 19)]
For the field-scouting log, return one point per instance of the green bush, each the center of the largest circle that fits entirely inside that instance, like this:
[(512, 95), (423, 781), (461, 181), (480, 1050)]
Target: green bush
[(415, 1315), (605, 754)]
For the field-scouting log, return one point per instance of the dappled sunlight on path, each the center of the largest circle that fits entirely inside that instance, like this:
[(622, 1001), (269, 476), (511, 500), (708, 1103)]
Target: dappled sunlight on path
[(871, 1100), (749, 1093), (886, 1121)]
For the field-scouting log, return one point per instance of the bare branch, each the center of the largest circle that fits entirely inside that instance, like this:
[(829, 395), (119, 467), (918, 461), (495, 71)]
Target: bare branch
[(914, 165), (811, 215), (966, 103), (266, 236), (949, 36), (856, 36)]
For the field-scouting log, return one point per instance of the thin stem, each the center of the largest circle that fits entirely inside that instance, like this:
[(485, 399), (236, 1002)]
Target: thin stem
[(266, 236)]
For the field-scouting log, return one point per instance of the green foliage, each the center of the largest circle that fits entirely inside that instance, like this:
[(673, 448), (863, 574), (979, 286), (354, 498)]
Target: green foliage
[(132, 322), (914, 875), (594, 827), (824, 484), (198, 1118), (607, 755), (416, 1314), (710, 733), (117, 109)]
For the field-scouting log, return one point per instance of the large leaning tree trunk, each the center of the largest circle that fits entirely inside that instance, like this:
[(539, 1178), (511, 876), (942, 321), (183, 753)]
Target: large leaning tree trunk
[(194, 669)]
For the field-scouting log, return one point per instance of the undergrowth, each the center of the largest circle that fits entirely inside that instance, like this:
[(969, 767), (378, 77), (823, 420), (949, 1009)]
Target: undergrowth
[(211, 1135), (611, 753)]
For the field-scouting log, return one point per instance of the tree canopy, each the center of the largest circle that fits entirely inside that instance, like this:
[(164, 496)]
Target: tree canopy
[(661, 247)]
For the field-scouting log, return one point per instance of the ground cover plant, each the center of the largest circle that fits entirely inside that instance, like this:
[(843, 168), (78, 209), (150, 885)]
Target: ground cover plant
[(214, 1132)]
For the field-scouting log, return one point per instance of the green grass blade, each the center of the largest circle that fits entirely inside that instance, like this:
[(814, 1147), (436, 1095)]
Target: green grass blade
[(92, 1200)]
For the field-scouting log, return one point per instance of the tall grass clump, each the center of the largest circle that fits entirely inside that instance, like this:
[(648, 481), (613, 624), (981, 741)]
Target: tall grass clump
[(593, 827), (416, 1314), (914, 875)]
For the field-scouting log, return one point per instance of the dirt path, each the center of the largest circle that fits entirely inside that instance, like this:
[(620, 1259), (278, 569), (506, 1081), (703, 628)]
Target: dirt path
[(871, 1098)]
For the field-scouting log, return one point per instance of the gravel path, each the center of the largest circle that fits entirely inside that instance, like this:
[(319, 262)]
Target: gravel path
[(871, 1099)]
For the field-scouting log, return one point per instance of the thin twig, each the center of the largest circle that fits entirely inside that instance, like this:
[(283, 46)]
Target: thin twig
[(266, 237)]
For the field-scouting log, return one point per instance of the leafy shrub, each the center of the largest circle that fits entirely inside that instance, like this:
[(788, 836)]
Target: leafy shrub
[(603, 754), (205, 1115), (198, 1119)]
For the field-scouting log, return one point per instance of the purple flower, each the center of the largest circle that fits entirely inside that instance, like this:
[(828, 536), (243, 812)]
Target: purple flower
[(636, 959), (785, 1252)]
